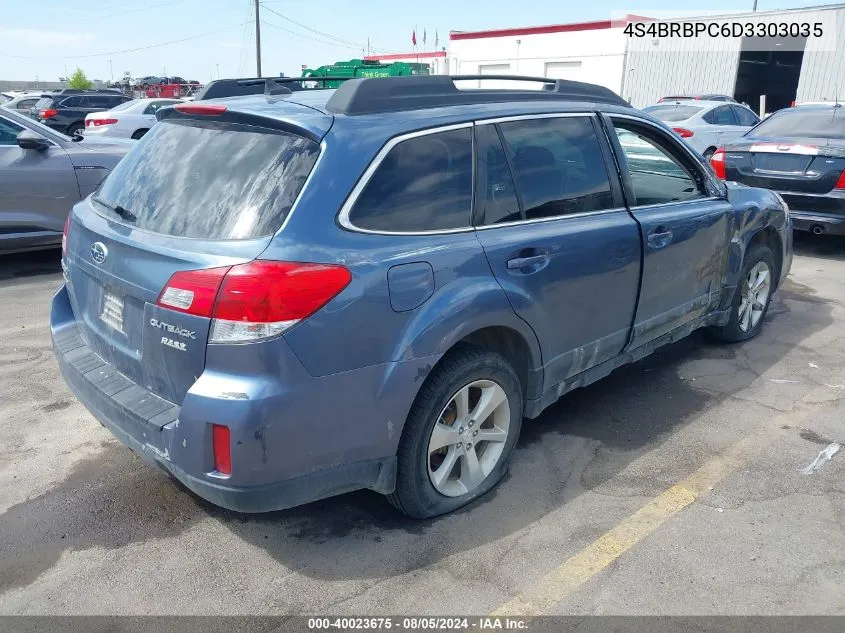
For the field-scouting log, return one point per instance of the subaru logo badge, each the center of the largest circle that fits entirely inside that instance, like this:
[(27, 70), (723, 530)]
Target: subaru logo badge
[(99, 252)]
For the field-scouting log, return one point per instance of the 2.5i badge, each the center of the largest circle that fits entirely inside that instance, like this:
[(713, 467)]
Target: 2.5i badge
[(174, 344)]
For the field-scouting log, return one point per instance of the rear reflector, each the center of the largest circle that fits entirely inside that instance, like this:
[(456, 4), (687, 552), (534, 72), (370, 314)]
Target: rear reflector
[(254, 301), (683, 132), (840, 184), (222, 445), (211, 109), (717, 161)]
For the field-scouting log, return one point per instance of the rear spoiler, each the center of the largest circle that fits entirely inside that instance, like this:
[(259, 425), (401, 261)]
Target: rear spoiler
[(271, 86)]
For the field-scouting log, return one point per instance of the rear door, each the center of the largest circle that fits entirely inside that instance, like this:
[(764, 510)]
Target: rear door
[(724, 123), (214, 202), (557, 236), (686, 231)]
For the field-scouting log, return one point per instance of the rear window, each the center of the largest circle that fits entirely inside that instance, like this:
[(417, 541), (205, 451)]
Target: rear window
[(44, 102), (672, 112), (208, 180), (822, 123)]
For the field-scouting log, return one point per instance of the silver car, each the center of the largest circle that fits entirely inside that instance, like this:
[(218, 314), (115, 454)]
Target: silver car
[(21, 101), (705, 125), (42, 175)]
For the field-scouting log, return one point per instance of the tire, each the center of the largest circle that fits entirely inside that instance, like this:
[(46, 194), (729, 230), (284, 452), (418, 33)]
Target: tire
[(139, 133), (75, 128), (708, 153), (741, 327), (478, 373)]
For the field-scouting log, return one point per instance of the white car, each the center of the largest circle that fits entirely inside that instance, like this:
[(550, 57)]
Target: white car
[(705, 125), (132, 119), (21, 101)]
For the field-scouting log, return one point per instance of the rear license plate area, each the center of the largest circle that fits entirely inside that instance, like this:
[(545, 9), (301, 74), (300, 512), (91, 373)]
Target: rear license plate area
[(790, 164), (111, 312)]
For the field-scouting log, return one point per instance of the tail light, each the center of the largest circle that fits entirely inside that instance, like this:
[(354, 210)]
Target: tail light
[(717, 161), (64, 235), (840, 184), (683, 132), (99, 122), (221, 444), (254, 301), (48, 113)]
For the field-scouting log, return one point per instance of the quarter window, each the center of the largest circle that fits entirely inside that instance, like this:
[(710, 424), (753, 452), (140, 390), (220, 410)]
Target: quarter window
[(658, 174), (423, 184), (558, 166), (745, 116)]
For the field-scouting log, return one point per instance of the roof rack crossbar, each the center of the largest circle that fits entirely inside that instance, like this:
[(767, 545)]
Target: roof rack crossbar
[(387, 94)]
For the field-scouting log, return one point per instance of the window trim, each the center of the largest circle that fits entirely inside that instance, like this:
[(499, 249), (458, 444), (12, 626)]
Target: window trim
[(684, 148), (363, 181)]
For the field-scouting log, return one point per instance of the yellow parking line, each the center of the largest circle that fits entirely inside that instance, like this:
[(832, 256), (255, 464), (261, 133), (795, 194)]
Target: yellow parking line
[(590, 561)]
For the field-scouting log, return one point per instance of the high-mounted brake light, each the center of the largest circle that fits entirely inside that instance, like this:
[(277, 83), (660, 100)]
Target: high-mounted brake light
[(254, 301), (717, 161), (203, 109), (48, 113), (683, 132)]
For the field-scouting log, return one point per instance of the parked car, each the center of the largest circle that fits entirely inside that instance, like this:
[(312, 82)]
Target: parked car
[(705, 125), (800, 153), (698, 97), (42, 175), (66, 111), (131, 119), (149, 80), (386, 278), (20, 101), (177, 80)]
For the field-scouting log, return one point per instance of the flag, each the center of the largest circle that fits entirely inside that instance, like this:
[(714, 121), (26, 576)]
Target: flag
[(436, 40), (414, 37), (424, 37)]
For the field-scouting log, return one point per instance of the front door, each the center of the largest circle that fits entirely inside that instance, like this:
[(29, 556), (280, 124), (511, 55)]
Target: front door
[(685, 229), (558, 238)]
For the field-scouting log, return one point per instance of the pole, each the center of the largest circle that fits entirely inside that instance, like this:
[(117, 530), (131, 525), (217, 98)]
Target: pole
[(755, 6), (257, 41), (111, 72)]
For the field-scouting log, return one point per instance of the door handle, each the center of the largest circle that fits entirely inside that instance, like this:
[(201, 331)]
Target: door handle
[(659, 236), (525, 262)]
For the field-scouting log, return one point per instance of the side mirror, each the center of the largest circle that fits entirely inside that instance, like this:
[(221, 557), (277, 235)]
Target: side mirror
[(30, 140)]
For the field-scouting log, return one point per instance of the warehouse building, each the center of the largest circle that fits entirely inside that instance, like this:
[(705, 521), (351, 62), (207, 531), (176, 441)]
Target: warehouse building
[(643, 69)]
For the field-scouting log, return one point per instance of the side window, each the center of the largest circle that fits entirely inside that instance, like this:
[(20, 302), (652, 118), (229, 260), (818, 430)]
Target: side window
[(423, 184), (745, 116), (496, 194), (723, 115), (71, 102), (26, 104), (9, 132), (95, 101), (558, 166), (658, 173), (155, 106)]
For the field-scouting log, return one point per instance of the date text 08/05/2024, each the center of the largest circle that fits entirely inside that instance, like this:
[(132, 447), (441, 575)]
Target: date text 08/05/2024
[(726, 29), (417, 624)]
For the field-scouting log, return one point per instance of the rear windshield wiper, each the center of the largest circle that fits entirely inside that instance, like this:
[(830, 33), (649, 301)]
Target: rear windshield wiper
[(123, 212)]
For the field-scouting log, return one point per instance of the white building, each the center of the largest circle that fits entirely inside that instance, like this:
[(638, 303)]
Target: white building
[(643, 69)]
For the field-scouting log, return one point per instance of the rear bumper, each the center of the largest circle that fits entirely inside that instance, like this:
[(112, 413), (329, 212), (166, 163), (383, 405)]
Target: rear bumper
[(279, 460), (818, 222)]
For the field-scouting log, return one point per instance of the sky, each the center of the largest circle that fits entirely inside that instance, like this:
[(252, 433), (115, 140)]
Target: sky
[(106, 39)]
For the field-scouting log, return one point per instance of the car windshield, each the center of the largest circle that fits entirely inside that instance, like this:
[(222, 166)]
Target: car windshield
[(209, 180), (36, 126), (672, 112), (808, 123)]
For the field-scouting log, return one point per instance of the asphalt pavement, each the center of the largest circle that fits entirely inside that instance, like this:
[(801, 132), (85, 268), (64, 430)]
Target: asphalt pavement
[(670, 487)]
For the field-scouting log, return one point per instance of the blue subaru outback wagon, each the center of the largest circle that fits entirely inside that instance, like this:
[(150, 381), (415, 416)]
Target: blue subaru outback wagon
[(282, 297)]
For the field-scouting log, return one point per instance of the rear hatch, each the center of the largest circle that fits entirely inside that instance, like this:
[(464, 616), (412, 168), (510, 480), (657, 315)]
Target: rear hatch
[(798, 153), (197, 192)]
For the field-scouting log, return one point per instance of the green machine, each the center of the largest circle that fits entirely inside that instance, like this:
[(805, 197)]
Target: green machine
[(365, 68)]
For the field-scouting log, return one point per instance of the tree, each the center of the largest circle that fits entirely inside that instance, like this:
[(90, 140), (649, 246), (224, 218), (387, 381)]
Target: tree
[(78, 80)]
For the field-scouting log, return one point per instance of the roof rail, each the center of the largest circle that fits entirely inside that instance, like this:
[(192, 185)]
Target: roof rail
[(388, 94), (221, 88)]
